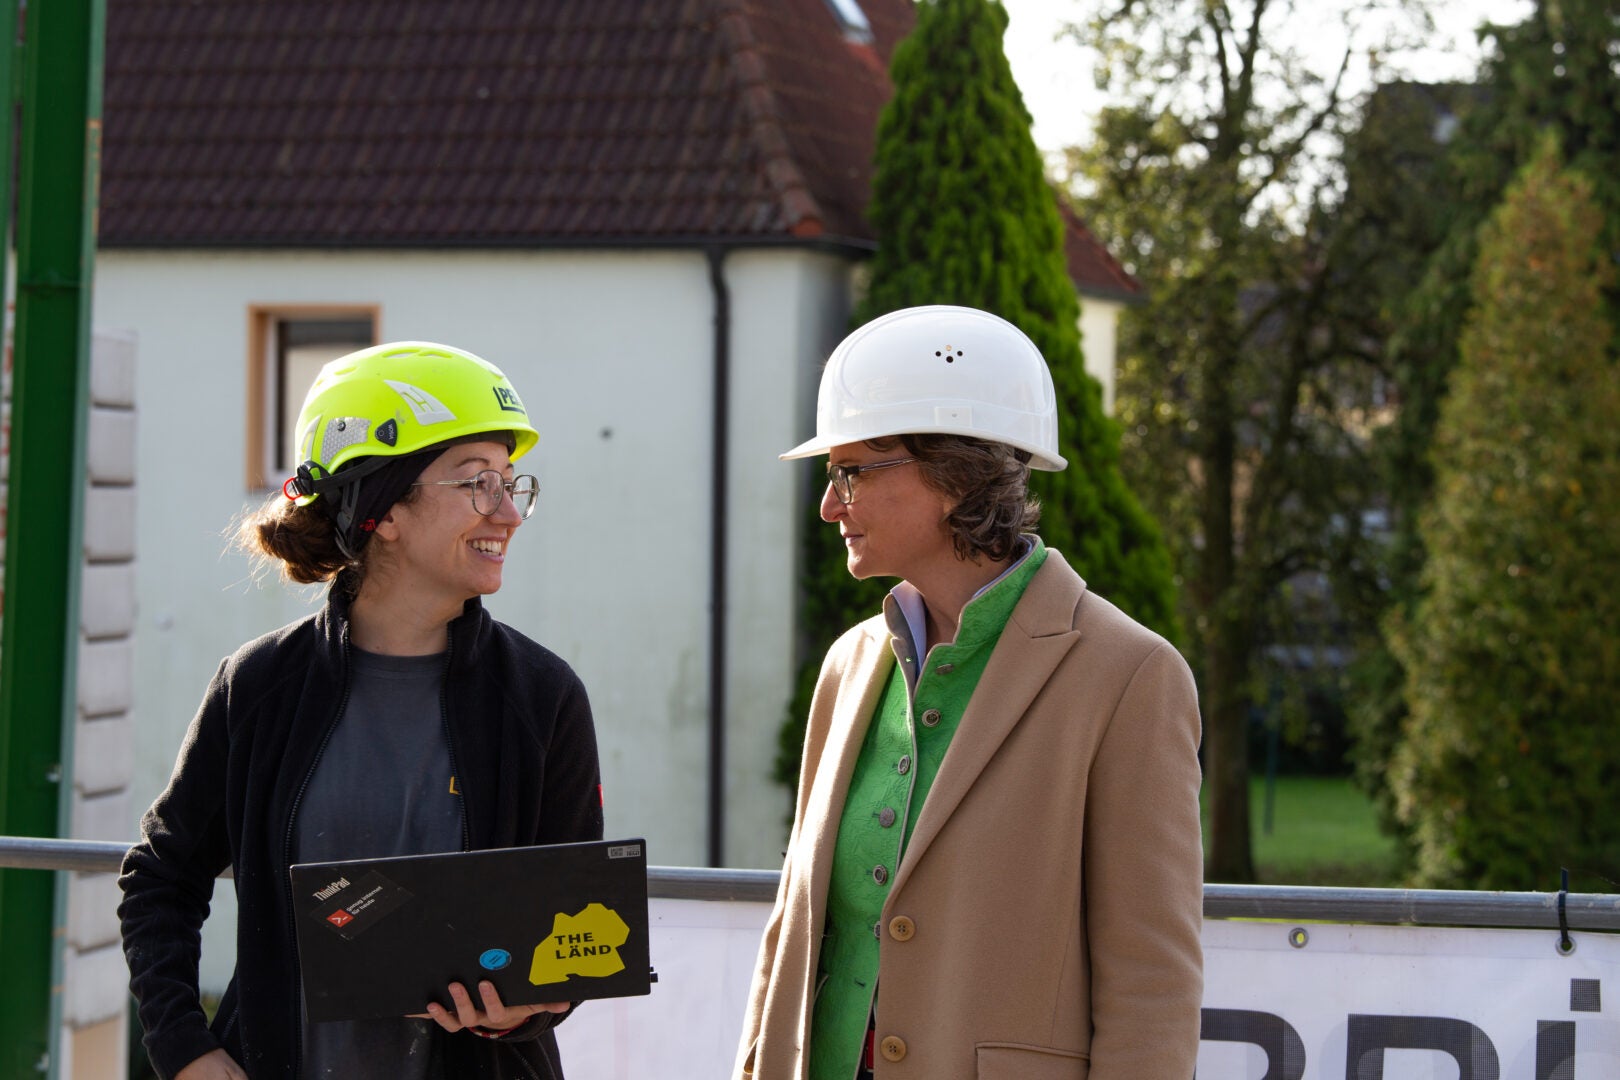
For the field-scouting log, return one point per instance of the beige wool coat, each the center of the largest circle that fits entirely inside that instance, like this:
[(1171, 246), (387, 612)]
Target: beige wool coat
[(1044, 921)]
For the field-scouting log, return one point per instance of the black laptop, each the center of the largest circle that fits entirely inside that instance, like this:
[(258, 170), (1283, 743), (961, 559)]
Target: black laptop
[(383, 937)]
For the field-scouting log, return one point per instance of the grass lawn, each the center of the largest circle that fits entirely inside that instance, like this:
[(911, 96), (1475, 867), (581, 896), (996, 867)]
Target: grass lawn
[(1324, 832)]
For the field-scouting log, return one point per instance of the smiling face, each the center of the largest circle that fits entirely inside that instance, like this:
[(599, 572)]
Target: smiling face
[(436, 545), (895, 527)]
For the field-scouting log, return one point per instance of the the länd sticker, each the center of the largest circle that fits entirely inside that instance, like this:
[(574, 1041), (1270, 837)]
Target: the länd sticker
[(352, 908), (584, 945)]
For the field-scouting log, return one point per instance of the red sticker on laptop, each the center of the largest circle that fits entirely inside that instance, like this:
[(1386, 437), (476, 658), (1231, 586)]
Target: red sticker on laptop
[(353, 907)]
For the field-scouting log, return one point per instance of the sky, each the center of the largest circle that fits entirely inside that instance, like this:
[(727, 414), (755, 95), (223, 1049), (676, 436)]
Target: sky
[(1055, 84)]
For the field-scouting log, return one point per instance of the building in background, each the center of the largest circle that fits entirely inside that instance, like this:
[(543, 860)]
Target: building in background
[(650, 215)]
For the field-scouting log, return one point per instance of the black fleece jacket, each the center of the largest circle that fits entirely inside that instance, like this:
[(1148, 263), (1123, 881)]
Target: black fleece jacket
[(524, 752)]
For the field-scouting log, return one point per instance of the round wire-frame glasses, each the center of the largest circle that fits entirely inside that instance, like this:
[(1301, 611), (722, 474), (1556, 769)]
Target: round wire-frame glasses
[(842, 477), (489, 487)]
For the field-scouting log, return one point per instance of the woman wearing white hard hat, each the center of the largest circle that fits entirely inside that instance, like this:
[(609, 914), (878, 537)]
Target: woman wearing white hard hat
[(995, 868)]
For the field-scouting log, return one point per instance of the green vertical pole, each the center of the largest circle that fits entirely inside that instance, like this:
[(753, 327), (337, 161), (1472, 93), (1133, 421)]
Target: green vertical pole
[(58, 175), (8, 108)]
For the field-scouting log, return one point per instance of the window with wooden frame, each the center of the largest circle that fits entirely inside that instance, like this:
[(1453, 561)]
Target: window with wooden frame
[(286, 348)]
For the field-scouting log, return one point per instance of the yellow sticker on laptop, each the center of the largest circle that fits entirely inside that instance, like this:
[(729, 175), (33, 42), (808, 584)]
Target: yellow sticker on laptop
[(586, 944)]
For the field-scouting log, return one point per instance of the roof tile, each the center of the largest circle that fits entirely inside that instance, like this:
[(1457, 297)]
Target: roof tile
[(410, 122)]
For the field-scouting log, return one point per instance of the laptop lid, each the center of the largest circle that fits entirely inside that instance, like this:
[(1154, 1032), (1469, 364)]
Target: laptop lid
[(383, 937)]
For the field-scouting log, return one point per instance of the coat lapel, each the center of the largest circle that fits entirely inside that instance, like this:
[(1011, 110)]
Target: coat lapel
[(1039, 634), (859, 690)]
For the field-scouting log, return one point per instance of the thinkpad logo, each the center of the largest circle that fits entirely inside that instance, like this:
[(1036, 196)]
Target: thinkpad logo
[(332, 889)]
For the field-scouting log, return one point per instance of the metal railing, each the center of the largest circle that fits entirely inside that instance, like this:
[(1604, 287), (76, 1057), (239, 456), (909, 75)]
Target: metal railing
[(1418, 907)]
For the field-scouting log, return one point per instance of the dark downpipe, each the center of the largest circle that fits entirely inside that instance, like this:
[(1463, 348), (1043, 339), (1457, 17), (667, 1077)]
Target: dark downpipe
[(717, 554)]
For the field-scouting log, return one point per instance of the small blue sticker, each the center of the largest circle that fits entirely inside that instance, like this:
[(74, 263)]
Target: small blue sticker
[(494, 959)]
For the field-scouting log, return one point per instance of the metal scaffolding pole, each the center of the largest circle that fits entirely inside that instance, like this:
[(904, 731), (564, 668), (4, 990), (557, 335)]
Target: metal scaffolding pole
[(58, 168), (1294, 903)]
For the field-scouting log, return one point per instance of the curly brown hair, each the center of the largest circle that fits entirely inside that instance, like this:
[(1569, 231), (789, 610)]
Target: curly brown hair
[(989, 482), (302, 540)]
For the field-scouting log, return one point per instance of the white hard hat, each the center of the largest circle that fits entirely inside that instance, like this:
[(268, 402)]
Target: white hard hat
[(938, 370)]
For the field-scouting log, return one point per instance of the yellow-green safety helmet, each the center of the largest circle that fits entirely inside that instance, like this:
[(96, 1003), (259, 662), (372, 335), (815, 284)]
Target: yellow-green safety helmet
[(391, 400)]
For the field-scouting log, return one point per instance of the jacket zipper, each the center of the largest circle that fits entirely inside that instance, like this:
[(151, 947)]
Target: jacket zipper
[(230, 1025), (286, 859)]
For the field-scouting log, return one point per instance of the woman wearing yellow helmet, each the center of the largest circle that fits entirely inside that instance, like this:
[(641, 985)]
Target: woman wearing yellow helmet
[(400, 719)]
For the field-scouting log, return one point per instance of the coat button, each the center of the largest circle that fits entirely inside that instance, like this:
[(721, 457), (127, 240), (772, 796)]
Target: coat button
[(886, 816), (880, 873), (893, 1048), (903, 766), (902, 928), (930, 718)]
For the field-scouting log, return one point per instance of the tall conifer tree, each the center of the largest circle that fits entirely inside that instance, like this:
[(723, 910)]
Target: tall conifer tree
[(1512, 656), (1552, 72), (965, 215)]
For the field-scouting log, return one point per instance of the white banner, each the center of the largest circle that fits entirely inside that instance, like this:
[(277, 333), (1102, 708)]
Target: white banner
[(687, 1028), (1333, 1002), (1281, 1002)]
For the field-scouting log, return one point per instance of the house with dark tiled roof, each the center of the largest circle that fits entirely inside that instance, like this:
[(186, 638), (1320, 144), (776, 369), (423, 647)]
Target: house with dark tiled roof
[(647, 213)]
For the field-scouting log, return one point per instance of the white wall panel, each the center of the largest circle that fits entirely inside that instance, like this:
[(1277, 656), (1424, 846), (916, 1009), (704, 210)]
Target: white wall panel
[(107, 600), (103, 757), (787, 318), (1099, 336)]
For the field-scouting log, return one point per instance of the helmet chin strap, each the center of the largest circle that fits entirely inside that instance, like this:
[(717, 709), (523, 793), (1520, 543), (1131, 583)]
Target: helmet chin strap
[(348, 499), (344, 486)]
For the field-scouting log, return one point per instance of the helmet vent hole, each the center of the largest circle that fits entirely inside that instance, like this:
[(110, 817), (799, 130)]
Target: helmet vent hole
[(948, 353)]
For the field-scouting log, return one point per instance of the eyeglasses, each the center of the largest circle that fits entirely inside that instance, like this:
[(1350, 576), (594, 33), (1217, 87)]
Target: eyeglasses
[(842, 477), (488, 487)]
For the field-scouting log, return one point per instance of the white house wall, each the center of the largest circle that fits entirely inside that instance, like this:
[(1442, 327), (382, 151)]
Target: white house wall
[(613, 354), (1099, 340), (787, 316)]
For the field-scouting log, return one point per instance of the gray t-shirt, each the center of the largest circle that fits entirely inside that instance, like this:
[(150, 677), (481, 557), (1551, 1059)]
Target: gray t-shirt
[(383, 786)]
